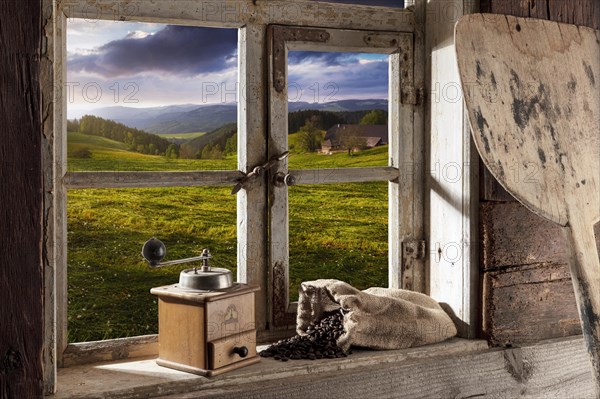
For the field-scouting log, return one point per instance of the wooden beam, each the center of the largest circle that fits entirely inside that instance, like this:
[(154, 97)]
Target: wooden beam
[(22, 202), (48, 69), (144, 179), (345, 175), (238, 13), (252, 259)]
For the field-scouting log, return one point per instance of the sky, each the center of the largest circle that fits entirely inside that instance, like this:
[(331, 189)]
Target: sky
[(144, 65)]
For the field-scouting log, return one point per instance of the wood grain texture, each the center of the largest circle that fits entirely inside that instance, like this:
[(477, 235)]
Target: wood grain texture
[(237, 13), (546, 371), (220, 352), (539, 134), (511, 235), (450, 173), (577, 12), (181, 333), (21, 202), (110, 350), (528, 304)]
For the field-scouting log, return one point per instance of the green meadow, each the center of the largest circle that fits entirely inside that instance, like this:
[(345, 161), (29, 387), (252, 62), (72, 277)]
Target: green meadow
[(181, 136), (336, 231)]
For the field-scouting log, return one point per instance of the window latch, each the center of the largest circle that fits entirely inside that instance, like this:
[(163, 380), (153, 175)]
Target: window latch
[(258, 170)]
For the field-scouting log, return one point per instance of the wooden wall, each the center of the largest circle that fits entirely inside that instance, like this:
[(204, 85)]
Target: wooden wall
[(21, 275), (527, 289)]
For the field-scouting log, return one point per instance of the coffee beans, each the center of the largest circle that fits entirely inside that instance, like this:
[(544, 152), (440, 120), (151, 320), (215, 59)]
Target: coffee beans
[(318, 343)]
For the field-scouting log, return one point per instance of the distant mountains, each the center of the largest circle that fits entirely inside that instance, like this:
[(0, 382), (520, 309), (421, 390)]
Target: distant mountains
[(188, 118)]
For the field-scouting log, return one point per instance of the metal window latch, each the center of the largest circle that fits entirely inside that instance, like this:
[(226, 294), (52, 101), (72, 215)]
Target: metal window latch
[(258, 170)]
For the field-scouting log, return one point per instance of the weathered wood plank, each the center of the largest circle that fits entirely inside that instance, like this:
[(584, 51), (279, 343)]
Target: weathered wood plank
[(115, 179), (457, 368), (528, 304), (237, 13), (252, 210), (49, 93), (344, 175), (577, 12), (512, 235), (21, 202), (451, 170), (110, 350)]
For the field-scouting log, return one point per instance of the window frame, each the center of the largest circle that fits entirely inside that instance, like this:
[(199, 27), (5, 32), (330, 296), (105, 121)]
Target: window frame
[(404, 185), (252, 19)]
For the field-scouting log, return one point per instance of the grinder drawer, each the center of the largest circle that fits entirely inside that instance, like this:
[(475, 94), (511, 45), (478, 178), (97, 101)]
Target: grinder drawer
[(231, 349)]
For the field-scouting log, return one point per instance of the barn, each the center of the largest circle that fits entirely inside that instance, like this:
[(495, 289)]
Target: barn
[(368, 135), (492, 204)]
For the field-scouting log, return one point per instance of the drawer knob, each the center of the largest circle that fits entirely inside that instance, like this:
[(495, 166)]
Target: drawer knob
[(241, 350)]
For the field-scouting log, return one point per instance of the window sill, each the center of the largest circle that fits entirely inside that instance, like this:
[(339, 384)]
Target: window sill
[(143, 378), (456, 368)]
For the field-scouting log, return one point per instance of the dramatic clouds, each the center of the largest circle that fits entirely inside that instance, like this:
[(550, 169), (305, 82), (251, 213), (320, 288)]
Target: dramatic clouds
[(142, 65), (177, 50)]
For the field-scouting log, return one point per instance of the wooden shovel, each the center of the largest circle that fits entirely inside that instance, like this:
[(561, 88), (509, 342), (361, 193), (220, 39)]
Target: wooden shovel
[(532, 92)]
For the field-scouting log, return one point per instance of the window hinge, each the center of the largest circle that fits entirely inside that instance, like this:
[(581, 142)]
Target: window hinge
[(413, 273), (412, 95)]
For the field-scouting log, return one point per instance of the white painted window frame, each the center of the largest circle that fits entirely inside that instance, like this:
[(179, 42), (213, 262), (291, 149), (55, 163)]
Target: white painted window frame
[(405, 182), (252, 19)]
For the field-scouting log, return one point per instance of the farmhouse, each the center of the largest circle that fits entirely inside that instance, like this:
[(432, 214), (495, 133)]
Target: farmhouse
[(367, 136), (491, 188)]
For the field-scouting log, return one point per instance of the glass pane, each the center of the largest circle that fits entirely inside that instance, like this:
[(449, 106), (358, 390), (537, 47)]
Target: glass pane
[(144, 96), (108, 280), (337, 109), (339, 231)]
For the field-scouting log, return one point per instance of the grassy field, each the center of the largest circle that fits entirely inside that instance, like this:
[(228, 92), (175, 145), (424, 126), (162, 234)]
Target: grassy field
[(336, 231), (181, 136)]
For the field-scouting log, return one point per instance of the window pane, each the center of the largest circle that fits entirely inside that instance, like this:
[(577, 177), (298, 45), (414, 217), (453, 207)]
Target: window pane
[(146, 96), (337, 109), (108, 280), (339, 231)]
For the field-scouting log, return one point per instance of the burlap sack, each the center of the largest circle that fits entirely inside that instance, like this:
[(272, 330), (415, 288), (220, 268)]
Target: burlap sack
[(377, 318)]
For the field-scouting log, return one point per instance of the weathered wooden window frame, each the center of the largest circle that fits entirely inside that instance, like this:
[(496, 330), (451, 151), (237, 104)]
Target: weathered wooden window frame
[(405, 183), (252, 19)]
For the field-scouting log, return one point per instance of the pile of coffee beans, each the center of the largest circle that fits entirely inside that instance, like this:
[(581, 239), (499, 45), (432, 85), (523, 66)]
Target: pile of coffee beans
[(318, 343)]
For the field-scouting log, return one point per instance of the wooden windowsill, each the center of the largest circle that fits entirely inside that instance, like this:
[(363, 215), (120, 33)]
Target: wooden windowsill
[(456, 368), (143, 378)]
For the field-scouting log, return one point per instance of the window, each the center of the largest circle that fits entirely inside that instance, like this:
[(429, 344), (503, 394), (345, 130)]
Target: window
[(284, 40), (143, 97), (262, 208)]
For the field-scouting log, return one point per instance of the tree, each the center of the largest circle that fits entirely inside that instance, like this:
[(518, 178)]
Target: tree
[(172, 151), (216, 152), (231, 145), (72, 125), (205, 153), (374, 117), (309, 136)]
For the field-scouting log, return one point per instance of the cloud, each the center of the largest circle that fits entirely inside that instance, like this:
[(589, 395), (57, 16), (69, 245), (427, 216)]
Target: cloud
[(329, 58), (338, 76), (177, 50)]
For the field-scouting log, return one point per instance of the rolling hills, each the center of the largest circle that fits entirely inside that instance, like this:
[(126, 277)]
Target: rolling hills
[(189, 118)]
